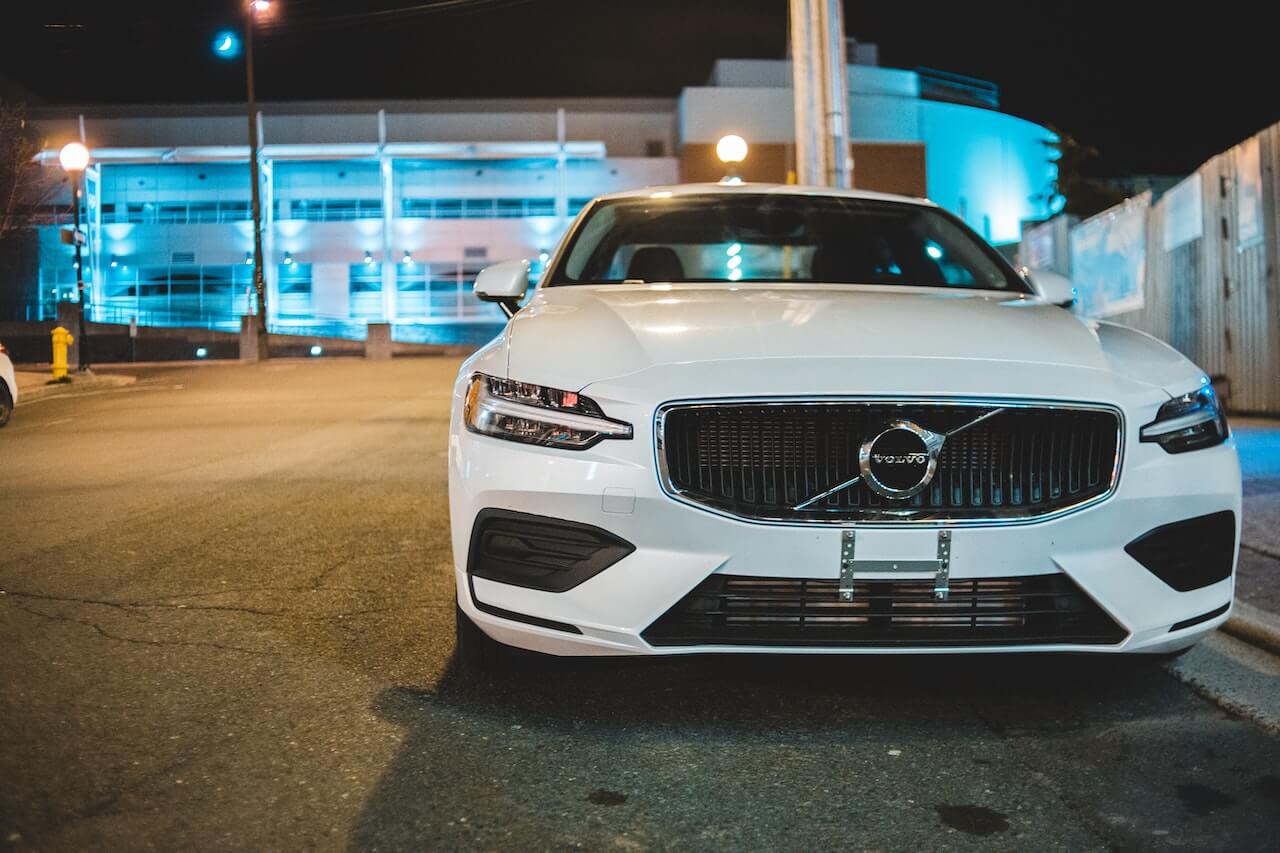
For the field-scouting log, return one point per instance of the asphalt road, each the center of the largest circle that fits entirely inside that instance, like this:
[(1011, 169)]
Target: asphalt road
[(227, 623)]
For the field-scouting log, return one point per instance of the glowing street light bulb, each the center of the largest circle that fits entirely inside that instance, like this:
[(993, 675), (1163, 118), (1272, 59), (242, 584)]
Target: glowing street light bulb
[(260, 6), (74, 157), (731, 149)]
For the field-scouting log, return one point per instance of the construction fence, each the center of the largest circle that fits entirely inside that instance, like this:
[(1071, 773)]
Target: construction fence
[(1198, 267)]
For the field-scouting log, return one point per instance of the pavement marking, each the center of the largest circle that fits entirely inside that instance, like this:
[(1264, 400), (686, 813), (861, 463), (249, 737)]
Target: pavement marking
[(59, 421), (120, 390)]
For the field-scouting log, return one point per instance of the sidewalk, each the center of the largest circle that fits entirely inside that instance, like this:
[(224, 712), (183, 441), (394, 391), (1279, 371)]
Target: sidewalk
[(1256, 617), (1258, 580), (34, 386)]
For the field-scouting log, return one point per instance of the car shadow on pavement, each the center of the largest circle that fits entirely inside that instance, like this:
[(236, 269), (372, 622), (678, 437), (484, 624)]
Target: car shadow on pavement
[(575, 713)]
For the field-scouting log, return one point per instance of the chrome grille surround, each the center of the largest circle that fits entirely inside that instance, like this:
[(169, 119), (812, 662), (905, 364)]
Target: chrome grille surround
[(892, 515)]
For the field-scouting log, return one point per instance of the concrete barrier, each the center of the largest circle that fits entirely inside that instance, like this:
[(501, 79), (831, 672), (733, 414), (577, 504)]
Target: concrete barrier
[(377, 345), (110, 343)]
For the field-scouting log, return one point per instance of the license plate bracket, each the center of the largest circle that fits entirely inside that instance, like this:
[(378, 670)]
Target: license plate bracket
[(939, 567)]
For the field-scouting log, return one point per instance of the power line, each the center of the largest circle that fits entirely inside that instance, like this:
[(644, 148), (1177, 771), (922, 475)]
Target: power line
[(305, 21)]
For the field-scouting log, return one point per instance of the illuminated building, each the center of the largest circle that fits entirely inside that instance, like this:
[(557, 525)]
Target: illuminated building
[(386, 211)]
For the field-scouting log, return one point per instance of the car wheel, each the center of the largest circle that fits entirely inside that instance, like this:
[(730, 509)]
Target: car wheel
[(6, 404), (477, 651)]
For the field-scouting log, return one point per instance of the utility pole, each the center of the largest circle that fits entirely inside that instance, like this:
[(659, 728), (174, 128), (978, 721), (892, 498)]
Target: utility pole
[(251, 8), (819, 73)]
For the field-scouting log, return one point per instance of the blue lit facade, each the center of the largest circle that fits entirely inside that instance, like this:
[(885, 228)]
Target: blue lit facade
[(385, 213)]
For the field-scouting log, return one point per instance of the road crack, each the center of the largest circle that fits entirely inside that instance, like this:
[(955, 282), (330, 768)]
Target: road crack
[(53, 617)]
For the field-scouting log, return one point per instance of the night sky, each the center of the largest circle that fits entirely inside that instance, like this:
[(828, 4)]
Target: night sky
[(1157, 92)]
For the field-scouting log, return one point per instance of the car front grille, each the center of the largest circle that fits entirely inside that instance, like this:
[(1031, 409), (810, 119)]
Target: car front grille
[(798, 612), (760, 460)]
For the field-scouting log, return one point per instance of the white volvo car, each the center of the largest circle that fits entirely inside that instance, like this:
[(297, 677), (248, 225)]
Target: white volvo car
[(773, 419)]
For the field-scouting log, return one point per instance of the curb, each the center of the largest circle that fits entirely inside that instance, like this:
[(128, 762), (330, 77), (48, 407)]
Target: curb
[(76, 386), (1255, 627)]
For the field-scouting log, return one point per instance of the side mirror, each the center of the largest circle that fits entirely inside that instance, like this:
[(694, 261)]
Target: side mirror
[(504, 283), (1052, 287)]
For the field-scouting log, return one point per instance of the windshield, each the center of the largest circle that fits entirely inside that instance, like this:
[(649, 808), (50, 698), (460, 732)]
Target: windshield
[(779, 238)]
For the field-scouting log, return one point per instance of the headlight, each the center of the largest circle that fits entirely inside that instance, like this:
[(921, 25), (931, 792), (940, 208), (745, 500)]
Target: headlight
[(534, 414), (1189, 422)]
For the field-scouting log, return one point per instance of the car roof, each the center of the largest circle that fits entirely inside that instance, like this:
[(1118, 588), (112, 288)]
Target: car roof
[(746, 188)]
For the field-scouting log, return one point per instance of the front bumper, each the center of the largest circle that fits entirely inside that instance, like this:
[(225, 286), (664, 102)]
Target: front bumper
[(677, 546)]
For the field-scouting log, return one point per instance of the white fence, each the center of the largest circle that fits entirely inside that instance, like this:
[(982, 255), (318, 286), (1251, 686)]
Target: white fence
[(1198, 268)]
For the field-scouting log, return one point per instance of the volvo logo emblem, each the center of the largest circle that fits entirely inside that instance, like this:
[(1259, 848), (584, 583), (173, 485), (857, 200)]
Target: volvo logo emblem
[(899, 461)]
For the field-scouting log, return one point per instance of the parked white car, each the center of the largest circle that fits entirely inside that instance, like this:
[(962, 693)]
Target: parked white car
[(8, 387), (777, 419)]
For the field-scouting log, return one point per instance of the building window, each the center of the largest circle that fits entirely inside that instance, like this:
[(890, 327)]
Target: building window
[(295, 290), (444, 291), (411, 290), (655, 148), (366, 291), (178, 294)]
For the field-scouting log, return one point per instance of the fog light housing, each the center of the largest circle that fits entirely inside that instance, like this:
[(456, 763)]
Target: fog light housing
[(536, 552), (1189, 554)]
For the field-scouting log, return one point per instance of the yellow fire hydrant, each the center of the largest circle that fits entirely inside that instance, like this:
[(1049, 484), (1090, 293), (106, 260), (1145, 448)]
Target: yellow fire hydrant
[(61, 340)]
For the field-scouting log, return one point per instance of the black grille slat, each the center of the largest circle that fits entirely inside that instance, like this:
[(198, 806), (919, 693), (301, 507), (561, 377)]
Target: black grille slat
[(739, 610), (759, 460)]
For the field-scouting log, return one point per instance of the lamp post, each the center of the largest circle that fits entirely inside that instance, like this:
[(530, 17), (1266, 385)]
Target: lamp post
[(74, 158), (252, 10), (732, 150)]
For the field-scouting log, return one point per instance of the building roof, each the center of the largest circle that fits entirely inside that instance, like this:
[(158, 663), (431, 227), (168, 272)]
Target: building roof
[(676, 190)]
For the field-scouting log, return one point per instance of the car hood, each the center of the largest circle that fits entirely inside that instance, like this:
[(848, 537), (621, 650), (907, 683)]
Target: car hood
[(794, 338)]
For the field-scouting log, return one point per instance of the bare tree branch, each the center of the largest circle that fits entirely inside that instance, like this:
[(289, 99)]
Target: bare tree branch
[(25, 185)]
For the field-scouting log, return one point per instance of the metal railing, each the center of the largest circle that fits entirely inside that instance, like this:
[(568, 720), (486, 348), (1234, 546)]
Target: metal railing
[(330, 209), (175, 212), (957, 89), (476, 208)]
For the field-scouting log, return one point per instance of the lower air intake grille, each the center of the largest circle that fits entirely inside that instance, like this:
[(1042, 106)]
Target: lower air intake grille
[(755, 611)]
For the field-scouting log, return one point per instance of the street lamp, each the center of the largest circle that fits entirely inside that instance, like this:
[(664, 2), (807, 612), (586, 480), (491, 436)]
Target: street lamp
[(74, 158), (732, 150), (253, 9)]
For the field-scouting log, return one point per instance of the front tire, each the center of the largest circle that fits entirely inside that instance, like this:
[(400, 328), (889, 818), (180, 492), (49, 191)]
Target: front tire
[(6, 404)]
